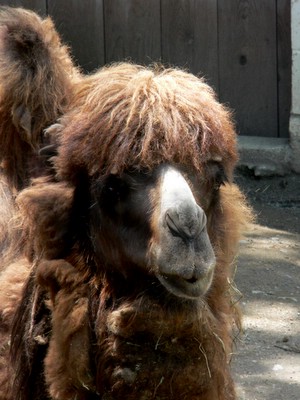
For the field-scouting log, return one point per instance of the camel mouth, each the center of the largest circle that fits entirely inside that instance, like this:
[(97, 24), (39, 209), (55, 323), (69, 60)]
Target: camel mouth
[(192, 288)]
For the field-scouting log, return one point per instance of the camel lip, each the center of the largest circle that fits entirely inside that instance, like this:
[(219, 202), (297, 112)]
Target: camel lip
[(192, 288)]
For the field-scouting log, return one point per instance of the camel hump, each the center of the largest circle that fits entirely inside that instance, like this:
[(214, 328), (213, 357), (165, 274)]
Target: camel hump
[(36, 84), (22, 37)]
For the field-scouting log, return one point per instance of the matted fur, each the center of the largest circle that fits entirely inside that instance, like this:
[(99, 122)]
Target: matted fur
[(37, 82), (102, 136), (86, 327), (132, 116), (37, 78)]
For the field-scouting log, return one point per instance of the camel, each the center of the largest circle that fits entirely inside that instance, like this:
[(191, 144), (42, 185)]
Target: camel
[(119, 284)]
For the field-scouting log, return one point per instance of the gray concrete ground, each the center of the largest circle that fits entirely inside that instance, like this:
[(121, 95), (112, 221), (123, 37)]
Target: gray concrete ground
[(267, 360)]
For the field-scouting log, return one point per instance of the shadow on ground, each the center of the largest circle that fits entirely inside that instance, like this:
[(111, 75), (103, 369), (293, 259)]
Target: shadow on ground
[(267, 363)]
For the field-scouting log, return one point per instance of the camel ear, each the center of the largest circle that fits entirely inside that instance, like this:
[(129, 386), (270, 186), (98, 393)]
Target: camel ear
[(47, 211)]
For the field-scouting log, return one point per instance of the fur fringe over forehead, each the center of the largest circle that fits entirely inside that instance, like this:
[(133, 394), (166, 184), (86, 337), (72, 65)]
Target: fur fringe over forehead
[(129, 116)]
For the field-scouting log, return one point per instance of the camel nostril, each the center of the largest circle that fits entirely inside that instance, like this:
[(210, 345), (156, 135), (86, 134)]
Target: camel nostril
[(172, 221), (186, 221)]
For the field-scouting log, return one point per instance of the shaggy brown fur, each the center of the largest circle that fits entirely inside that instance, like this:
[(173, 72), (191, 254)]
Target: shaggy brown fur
[(94, 322), (37, 81), (151, 115), (36, 84)]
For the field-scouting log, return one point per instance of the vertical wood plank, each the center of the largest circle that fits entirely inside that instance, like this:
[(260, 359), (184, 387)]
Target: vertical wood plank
[(189, 36), (38, 6), (284, 65), (243, 47), (132, 30), (81, 26), (248, 63)]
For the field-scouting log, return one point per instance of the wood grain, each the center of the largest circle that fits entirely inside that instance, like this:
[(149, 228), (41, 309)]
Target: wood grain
[(189, 36), (248, 64), (284, 65), (38, 6), (132, 30), (82, 27)]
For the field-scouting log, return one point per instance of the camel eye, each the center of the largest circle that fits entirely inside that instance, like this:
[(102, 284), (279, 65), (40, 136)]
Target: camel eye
[(221, 177), (109, 195), (113, 191), (216, 175)]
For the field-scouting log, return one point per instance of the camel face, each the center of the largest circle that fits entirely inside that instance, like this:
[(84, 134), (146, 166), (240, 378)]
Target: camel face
[(159, 219)]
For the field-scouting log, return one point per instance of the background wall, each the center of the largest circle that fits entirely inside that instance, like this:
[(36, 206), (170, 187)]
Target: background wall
[(242, 47)]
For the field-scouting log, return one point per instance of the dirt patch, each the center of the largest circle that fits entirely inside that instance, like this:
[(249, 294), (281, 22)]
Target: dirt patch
[(267, 363)]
